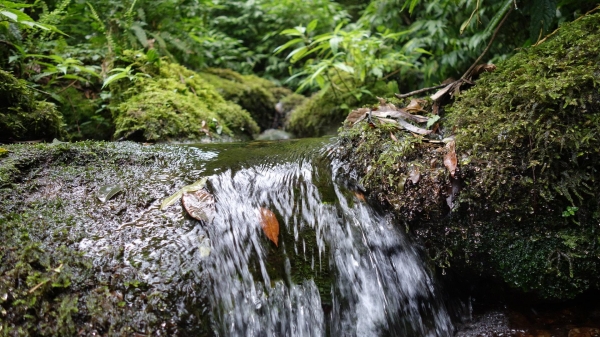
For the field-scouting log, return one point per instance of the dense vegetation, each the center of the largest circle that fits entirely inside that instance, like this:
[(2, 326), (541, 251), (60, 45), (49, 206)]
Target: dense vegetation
[(77, 54)]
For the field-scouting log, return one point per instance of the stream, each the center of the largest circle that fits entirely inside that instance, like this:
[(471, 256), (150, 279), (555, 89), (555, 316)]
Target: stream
[(337, 267), (341, 268)]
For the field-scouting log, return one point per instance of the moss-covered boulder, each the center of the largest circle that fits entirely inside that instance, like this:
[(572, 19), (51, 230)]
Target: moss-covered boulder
[(324, 111), (257, 95), (524, 206), (178, 104), (22, 117), (73, 264)]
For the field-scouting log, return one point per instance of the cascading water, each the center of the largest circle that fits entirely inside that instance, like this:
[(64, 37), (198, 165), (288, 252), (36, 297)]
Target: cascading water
[(341, 268)]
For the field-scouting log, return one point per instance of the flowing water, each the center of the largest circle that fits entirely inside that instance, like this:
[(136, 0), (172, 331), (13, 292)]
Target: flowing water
[(341, 268)]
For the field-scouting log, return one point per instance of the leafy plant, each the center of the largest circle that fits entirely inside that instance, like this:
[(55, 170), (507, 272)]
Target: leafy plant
[(354, 53)]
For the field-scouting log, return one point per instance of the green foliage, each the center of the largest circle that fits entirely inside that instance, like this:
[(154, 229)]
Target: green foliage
[(21, 116), (358, 53)]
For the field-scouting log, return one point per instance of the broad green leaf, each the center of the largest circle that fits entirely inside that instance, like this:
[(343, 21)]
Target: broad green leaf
[(432, 120), (287, 45), (10, 4), (113, 78), (312, 25), (140, 33), (334, 43), (297, 54), (291, 32), (10, 15), (344, 67), (320, 81)]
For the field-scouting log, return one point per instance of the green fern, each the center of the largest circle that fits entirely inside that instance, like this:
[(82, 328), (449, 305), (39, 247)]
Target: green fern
[(109, 39)]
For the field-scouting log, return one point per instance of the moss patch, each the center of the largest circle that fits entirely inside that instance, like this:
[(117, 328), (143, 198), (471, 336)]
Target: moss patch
[(177, 104), (528, 148), (22, 117), (257, 95)]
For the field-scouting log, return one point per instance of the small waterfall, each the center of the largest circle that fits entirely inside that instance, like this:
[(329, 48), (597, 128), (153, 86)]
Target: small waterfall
[(341, 268)]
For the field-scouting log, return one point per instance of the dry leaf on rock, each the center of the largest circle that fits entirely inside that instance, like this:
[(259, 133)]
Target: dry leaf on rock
[(356, 116), (415, 105), (200, 205), (450, 160), (270, 225), (413, 128)]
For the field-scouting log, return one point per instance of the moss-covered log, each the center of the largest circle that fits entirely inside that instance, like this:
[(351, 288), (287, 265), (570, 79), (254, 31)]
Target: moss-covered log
[(256, 95), (528, 147)]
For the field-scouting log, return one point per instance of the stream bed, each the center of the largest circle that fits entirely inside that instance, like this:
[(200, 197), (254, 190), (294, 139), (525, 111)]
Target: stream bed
[(340, 267)]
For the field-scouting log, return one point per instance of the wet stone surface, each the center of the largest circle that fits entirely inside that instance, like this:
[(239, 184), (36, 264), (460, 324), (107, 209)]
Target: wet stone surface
[(77, 263)]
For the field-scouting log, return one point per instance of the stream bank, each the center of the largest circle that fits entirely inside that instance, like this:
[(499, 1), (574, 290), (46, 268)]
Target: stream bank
[(523, 207)]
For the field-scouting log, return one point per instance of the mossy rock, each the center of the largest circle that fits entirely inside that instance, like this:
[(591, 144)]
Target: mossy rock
[(22, 117), (324, 111), (73, 265), (528, 153), (255, 94), (178, 104)]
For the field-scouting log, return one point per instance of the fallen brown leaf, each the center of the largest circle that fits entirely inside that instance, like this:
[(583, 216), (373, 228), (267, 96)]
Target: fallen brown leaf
[(415, 105), (200, 205), (450, 160), (270, 225), (359, 195)]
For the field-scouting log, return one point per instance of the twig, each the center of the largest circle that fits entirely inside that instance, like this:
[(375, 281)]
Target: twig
[(468, 72), (67, 87), (391, 74), (420, 91), (38, 90)]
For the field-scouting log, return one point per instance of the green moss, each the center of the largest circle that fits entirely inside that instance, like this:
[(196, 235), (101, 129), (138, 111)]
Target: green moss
[(250, 92), (324, 112), (179, 104), (528, 150), (21, 116)]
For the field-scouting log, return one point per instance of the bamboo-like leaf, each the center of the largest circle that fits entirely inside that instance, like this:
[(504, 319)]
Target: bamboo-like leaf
[(287, 45), (312, 25), (198, 185)]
